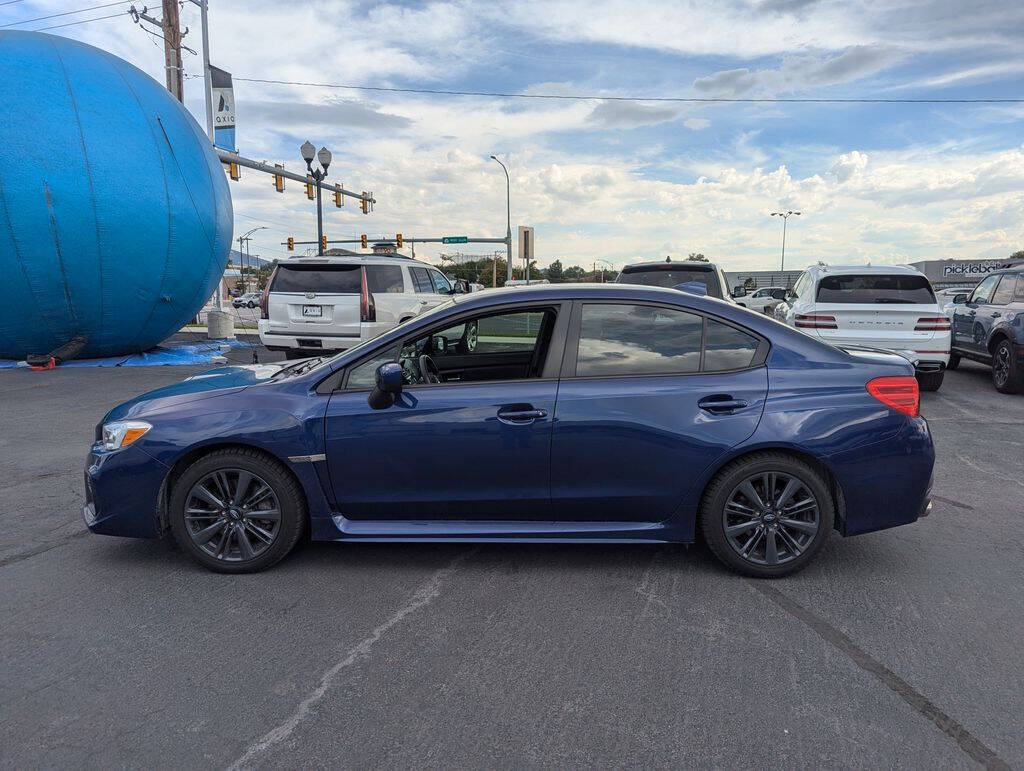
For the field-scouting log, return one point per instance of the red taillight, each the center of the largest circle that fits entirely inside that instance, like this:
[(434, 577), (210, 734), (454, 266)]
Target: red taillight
[(932, 324), (900, 392), (814, 321), (367, 308)]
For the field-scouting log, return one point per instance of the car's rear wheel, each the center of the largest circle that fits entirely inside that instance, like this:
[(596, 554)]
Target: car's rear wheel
[(767, 515), (930, 381), (1007, 369), (237, 511), (954, 361)]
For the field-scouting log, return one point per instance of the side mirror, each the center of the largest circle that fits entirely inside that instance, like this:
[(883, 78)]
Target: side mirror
[(959, 299), (438, 343), (461, 287), (389, 384), (739, 292)]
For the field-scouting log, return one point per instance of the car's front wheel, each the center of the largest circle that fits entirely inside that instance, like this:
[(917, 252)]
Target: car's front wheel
[(1007, 369), (767, 515), (237, 511)]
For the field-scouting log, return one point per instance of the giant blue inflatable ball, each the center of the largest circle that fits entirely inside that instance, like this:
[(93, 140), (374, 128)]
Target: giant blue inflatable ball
[(115, 216)]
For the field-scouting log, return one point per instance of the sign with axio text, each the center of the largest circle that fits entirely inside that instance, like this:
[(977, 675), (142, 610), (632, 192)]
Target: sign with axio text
[(223, 109)]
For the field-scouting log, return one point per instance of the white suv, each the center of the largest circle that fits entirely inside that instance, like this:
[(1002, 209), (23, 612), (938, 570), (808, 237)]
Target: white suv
[(763, 300), (316, 305), (875, 306)]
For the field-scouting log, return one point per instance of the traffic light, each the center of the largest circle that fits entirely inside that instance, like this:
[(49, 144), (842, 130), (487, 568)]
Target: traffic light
[(364, 204), (338, 200), (323, 243), (291, 244), (310, 192), (362, 240), (234, 171), (398, 240), (278, 179)]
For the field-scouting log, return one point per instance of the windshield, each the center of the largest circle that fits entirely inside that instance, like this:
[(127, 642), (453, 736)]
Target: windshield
[(670, 276), (867, 289)]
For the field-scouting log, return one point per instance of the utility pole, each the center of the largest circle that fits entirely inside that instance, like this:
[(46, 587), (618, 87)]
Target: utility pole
[(207, 84), (172, 49)]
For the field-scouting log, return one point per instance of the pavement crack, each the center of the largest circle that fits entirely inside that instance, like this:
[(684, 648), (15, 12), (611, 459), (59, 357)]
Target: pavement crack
[(423, 596), (22, 556), (965, 740)]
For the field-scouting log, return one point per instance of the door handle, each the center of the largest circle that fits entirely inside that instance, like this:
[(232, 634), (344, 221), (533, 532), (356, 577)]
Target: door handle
[(520, 416), (721, 405)]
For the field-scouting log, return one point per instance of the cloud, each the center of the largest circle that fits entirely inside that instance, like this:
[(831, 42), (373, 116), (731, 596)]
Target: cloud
[(726, 82), (616, 114), (848, 165), (340, 113), (797, 73), (696, 124)]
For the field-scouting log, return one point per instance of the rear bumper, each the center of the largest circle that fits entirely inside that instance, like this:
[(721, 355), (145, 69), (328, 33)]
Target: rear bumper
[(887, 483), (323, 339)]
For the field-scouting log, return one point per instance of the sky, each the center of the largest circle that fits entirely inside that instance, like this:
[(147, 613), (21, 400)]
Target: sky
[(622, 181)]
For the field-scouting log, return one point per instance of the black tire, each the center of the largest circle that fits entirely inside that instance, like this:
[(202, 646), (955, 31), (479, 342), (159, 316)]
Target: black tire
[(290, 502), (1007, 369), (954, 361), (724, 486), (930, 381)]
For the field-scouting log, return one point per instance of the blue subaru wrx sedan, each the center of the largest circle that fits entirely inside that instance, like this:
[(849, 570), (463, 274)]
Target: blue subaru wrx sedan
[(558, 413)]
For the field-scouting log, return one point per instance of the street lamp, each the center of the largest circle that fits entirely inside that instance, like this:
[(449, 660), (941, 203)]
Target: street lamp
[(785, 216), (508, 215), (241, 254), (308, 151)]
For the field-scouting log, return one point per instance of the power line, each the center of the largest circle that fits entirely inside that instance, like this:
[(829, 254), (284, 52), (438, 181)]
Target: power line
[(73, 23), (10, 2), (65, 13), (589, 97)]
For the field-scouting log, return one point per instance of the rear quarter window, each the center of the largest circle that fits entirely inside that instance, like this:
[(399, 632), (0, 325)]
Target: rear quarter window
[(385, 278), (321, 279), (882, 288)]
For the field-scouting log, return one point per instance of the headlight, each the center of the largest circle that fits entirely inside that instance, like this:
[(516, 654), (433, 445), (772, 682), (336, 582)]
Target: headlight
[(122, 433)]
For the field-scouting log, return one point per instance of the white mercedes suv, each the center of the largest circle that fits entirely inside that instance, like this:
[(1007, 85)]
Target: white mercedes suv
[(317, 305), (874, 306)]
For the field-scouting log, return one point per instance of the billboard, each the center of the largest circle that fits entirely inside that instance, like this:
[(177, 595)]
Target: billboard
[(959, 271)]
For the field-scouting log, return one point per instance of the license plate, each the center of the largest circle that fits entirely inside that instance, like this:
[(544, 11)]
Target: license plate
[(312, 310)]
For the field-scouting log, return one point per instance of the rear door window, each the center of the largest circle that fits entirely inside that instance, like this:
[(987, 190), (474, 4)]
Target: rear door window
[(637, 340), (321, 279), (867, 289), (421, 280)]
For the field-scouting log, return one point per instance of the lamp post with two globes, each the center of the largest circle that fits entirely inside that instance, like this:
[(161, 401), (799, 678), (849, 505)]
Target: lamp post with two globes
[(319, 174)]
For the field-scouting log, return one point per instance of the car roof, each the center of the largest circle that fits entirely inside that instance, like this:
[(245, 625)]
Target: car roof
[(660, 265), (592, 291), (878, 270), (354, 259)]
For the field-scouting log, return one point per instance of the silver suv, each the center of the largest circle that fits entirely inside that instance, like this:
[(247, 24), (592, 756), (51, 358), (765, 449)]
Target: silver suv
[(316, 305)]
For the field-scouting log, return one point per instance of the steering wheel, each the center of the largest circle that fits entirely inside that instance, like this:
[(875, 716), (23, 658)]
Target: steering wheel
[(429, 370)]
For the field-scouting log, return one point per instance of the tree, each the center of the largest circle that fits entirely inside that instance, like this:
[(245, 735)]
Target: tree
[(573, 273), (749, 283), (1019, 255), (554, 272), (697, 257)]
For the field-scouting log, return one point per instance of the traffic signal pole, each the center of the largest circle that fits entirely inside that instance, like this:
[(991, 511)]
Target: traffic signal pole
[(269, 168)]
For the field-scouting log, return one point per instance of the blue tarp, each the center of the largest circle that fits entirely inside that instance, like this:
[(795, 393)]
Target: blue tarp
[(205, 352)]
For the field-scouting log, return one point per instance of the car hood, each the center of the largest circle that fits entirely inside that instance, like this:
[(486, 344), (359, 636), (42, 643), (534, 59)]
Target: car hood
[(206, 385)]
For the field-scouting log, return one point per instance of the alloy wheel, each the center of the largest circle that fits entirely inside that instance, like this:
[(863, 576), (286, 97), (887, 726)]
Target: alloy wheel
[(232, 514), (771, 518), (1001, 365)]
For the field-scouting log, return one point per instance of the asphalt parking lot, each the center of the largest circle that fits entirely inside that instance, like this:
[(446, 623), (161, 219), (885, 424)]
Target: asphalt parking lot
[(896, 649)]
